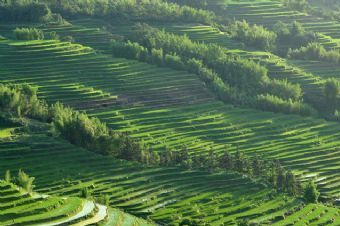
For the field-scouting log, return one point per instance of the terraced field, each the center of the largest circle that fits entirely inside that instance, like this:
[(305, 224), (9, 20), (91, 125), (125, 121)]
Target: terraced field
[(164, 194), (19, 208), (126, 94), (58, 68)]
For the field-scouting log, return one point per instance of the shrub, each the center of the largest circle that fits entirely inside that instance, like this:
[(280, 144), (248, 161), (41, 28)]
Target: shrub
[(157, 56), (174, 62), (315, 51), (129, 50), (331, 89), (293, 35), (28, 34), (85, 193), (275, 104), (254, 36), (311, 194), (284, 89), (22, 100)]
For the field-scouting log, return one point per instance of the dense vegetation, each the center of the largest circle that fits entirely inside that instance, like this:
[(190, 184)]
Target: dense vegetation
[(131, 10), (233, 79), (182, 128)]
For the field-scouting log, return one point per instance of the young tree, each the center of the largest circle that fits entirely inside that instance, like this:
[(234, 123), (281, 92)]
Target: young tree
[(311, 193), (8, 177), (25, 181)]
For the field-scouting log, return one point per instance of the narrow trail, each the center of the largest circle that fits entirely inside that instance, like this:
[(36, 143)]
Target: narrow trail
[(87, 209), (100, 215)]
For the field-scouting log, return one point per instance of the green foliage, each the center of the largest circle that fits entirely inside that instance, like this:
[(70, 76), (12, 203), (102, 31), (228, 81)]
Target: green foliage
[(128, 50), (157, 56), (276, 104), (332, 89), (233, 79), (25, 181), (255, 36), (174, 62), (103, 199), (22, 100), (311, 193), (292, 35), (315, 51), (284, 89), (8, 177), (300, 5), (85, 193), (147, 10), (29, 34), (24, 10)]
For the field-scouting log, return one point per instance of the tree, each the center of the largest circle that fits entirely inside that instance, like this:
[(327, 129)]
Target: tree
[(85, 192), (332, 89), (8, 176), (25, 181), (291, 183), (311, 193)]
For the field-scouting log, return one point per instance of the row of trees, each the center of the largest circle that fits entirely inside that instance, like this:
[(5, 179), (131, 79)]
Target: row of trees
[(141, 10), (27, 33), (279, 39), (90, 133), (233, 79)]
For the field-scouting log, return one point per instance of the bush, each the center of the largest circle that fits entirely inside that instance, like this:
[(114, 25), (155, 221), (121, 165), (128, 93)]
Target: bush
[(275, 104), (157, 56), (300, 5), (315, 51), (25, 181), (85, 193), (28, 34), (311, 194), (284, 89), (293, 35), (331, 89), (129, 50), (22, 100), (174, 62), (254, 36)]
